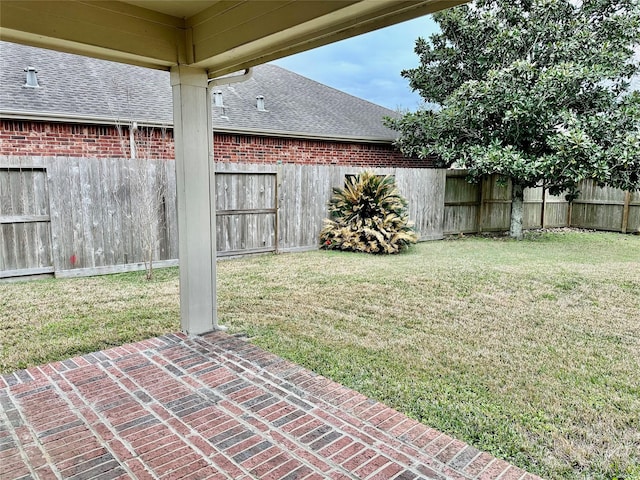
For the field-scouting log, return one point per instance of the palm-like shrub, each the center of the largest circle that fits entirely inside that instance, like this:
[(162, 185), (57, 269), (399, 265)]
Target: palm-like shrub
[(368, 215)]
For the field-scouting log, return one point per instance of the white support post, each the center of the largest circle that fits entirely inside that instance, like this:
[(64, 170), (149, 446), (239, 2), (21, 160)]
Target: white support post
[(195, 181)]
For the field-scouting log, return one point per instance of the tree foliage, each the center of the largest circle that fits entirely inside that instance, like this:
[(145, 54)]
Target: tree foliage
[(534, 90), (368, 215)]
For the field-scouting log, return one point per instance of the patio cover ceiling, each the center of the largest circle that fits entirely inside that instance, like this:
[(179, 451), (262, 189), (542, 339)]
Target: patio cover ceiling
[(220, 36)]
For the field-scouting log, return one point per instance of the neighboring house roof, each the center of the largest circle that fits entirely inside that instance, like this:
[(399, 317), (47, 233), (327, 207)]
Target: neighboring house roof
[(75, 88)]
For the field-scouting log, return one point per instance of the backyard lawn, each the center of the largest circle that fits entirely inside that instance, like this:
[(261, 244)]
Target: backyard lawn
[(529, 350)]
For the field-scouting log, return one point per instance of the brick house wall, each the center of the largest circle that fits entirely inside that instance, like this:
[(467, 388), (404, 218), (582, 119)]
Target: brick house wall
[(19, 137), (32, 138)]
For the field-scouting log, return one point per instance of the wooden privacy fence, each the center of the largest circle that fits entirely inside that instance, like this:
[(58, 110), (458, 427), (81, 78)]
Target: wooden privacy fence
[(78, 216), (606, 209), (486, 207), (304, 190), (98, 217)]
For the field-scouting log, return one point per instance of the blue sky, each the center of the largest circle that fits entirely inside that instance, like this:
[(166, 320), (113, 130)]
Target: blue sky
[(368, 66)]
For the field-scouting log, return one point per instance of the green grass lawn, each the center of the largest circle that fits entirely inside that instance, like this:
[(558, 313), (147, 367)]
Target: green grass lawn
[(529, 350)]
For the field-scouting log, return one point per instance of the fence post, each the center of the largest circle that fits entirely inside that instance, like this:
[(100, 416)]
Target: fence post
[(544, 206), (480, 203), (625, 211)]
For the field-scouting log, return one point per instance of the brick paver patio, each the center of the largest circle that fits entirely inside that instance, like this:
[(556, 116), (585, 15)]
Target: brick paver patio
[(213, 407)]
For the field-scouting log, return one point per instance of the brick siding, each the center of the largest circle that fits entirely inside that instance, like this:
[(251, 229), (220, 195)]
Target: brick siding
[(18, 137), (254, 149), (32, 138)]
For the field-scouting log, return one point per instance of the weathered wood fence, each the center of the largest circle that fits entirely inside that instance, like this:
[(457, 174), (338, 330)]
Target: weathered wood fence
[(75, 216), (83, 216), (486, 207), (304, 190), (606, 209)]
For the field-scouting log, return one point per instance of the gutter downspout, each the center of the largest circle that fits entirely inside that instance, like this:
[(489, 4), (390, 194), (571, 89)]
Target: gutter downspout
[(229, 79)]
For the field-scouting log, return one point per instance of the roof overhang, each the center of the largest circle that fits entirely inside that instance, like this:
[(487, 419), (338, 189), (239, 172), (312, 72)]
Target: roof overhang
[(221, 36)]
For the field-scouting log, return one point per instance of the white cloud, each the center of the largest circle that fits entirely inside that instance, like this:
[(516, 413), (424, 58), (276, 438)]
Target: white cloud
[(368, 66)]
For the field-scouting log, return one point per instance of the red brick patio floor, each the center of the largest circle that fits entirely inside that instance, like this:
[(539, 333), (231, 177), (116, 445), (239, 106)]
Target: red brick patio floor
[(213, 407)]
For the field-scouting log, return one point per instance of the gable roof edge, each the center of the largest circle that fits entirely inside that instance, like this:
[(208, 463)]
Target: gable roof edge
[(93, 120)]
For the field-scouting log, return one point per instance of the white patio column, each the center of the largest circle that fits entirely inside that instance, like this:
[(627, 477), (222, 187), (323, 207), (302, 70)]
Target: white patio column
[(195, 182)]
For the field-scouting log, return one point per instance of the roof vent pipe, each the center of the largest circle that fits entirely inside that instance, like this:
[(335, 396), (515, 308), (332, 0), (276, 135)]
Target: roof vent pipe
[(217, 98), (32, 78), (260, 103)]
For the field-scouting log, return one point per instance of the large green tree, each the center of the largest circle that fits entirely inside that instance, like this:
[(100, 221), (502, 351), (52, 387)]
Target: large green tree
[(536, 91)]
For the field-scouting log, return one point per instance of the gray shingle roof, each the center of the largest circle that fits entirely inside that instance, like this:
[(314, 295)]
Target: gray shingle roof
[(72, 85)]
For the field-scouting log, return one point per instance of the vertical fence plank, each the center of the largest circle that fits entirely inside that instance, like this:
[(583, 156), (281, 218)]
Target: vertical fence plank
[(109, 212), (543, 211), (78, 256), (4, 210), (278, 189), (115, 188), (28, 245), (633, 221), (87, 205), (172, 215), (55, 197), (16, 209), (481, 205), (625, 211), (42, 232), (7, 251), (97, 206)]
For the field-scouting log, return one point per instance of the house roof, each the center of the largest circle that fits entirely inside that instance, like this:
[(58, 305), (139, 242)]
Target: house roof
[(88, 90)]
